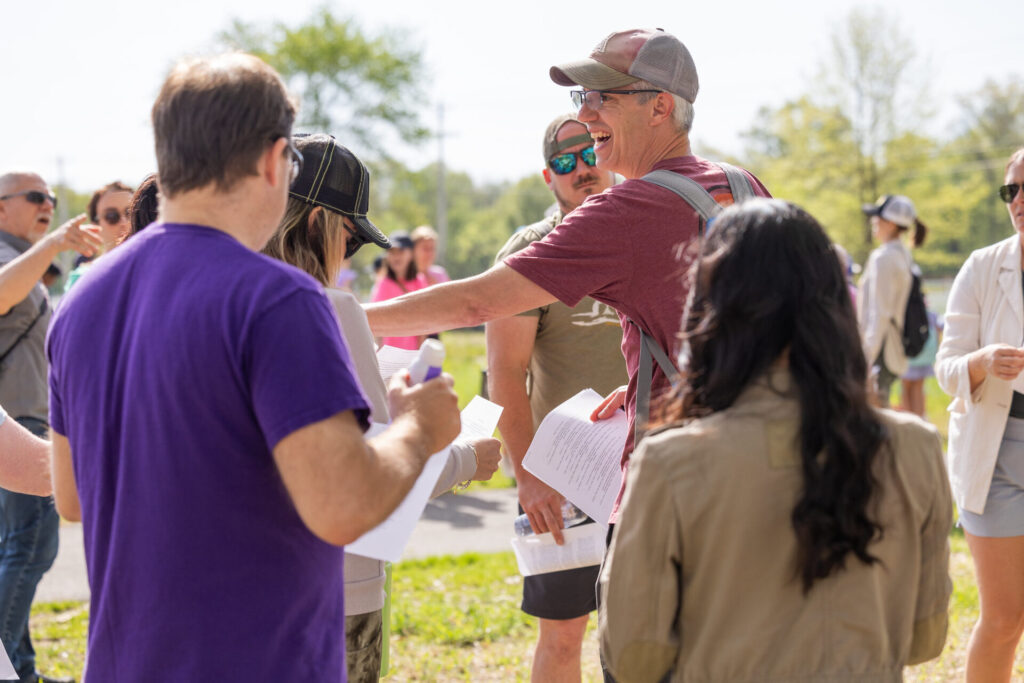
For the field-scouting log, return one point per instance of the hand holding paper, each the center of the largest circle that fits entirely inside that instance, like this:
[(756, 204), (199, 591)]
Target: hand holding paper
[(578, 458)]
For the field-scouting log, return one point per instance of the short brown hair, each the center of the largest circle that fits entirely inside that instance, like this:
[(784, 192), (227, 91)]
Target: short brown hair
[(214, 117), (94, 201)]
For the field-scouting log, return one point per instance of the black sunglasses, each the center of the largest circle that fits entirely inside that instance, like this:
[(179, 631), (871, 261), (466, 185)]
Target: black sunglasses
[(33, 197), (562, 164), (113, 216), (1006, 192), (357, 240)]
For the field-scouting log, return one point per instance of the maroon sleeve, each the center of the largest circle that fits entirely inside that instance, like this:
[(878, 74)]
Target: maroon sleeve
[(582, 256)]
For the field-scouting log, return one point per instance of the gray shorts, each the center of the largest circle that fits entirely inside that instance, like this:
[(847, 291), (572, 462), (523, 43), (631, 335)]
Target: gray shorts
[(1004, 507)]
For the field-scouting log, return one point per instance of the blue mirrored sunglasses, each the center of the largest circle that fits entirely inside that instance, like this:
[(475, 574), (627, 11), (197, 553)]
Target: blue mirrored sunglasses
[(562, 164)]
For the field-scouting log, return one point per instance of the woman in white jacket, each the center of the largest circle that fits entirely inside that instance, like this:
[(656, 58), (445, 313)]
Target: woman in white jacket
[(979, 364), (884, 289)]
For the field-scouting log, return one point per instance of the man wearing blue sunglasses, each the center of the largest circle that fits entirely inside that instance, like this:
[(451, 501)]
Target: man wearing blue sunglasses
[(626, 247), (534, 363)]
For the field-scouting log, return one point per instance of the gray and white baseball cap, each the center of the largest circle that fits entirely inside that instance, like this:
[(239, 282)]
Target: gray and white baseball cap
[(894, 208), (638, 54)]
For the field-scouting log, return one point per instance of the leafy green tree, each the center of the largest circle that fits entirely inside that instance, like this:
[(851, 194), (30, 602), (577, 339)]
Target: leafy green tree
[(346, 80), (870, 78), (806, 153), (992, 118)]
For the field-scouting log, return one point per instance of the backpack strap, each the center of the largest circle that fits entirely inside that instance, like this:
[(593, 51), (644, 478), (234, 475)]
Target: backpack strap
[(24, 333), (649, 348), (739, 183), (692, 192)]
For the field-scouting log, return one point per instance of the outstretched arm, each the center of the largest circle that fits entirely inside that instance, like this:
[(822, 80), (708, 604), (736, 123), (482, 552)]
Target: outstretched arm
[(18, 277), (497, 293)]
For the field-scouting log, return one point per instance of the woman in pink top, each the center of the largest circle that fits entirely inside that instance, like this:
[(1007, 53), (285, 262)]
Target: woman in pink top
[(401, 277)]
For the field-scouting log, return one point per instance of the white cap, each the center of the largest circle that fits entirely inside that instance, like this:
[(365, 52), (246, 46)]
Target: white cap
[(894, 208)]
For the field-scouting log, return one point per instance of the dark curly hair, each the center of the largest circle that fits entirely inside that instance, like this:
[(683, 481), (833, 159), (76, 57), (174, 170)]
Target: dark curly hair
[(767, 283)]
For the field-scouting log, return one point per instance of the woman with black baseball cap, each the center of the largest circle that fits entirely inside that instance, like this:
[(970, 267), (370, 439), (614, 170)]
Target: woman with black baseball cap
[(324, 223)]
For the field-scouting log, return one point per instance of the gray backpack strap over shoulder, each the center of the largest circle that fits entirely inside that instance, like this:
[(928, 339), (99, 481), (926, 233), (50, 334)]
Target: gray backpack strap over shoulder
[(739, 183), (694, 194), (645, 375)]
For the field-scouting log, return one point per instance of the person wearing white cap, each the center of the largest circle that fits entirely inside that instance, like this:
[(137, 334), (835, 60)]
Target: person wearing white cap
[(884, 289)]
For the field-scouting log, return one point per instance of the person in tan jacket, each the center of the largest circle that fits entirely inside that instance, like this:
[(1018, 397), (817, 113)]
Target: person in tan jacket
[(778, 527)]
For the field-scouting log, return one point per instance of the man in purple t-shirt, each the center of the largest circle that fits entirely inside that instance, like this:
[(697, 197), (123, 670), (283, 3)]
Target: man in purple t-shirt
[(627, 246), (208, 426)]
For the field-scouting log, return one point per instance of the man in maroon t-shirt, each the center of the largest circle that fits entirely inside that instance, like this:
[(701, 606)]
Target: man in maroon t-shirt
[(626, 247)]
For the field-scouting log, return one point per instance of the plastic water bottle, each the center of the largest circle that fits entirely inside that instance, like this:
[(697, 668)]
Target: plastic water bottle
[(427, 364), (571, 516)]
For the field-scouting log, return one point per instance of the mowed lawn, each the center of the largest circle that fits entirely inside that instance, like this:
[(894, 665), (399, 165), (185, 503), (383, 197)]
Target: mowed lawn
[(458, 618)]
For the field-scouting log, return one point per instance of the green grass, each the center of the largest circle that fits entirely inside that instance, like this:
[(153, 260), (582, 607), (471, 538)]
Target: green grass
[(458, 619), (465, 360)]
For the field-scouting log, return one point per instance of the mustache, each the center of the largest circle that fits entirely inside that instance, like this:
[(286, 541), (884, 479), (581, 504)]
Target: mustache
[(584, 180)]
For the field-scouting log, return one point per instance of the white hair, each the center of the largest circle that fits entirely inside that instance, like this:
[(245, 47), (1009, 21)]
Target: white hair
[(682, 111)]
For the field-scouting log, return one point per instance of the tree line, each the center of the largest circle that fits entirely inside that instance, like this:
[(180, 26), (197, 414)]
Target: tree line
[(854, 134)]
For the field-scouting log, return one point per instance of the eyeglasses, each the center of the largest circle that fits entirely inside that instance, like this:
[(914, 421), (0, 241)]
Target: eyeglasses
[(1006, 192), (113, 216), (595, 99), (294, 153), (296, 159), (563, 164), (33, 197)]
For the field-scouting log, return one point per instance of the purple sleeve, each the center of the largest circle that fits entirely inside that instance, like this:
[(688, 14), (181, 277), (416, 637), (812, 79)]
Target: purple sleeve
[(299, 370), (582, 256), (56, 405)]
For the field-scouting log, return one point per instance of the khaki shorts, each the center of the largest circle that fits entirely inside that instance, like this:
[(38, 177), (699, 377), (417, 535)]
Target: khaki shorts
[(363, 646)]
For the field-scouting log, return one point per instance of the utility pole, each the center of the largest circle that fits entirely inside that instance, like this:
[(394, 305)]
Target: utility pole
[(442, 193), (62, 194)]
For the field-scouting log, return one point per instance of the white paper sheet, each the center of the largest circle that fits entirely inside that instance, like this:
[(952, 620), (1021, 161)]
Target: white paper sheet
[(7, 672), (392, 359), (387, 540), (480, 418), (578, 458), (539, 554)]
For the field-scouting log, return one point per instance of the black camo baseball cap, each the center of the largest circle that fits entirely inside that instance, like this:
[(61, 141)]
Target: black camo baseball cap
[(334, 178)]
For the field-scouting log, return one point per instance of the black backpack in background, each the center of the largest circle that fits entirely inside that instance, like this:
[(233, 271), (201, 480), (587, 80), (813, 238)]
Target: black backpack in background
[(915, 317)]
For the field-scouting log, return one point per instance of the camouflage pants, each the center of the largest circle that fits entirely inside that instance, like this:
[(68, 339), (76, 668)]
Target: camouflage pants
[(362, 646)]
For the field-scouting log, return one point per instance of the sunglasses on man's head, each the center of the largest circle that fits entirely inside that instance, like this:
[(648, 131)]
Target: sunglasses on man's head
[(33, 197), (1008, 192), (562, 164)]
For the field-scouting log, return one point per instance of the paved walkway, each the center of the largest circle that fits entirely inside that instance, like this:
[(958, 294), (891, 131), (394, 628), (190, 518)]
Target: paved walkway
[(451, 525)]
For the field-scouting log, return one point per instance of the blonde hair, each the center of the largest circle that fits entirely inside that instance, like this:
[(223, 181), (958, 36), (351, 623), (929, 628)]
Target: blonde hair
[(316, 247), (423, 232)]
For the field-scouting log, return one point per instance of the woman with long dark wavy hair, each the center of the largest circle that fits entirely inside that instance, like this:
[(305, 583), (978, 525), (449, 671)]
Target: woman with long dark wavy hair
[(777, 527)]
